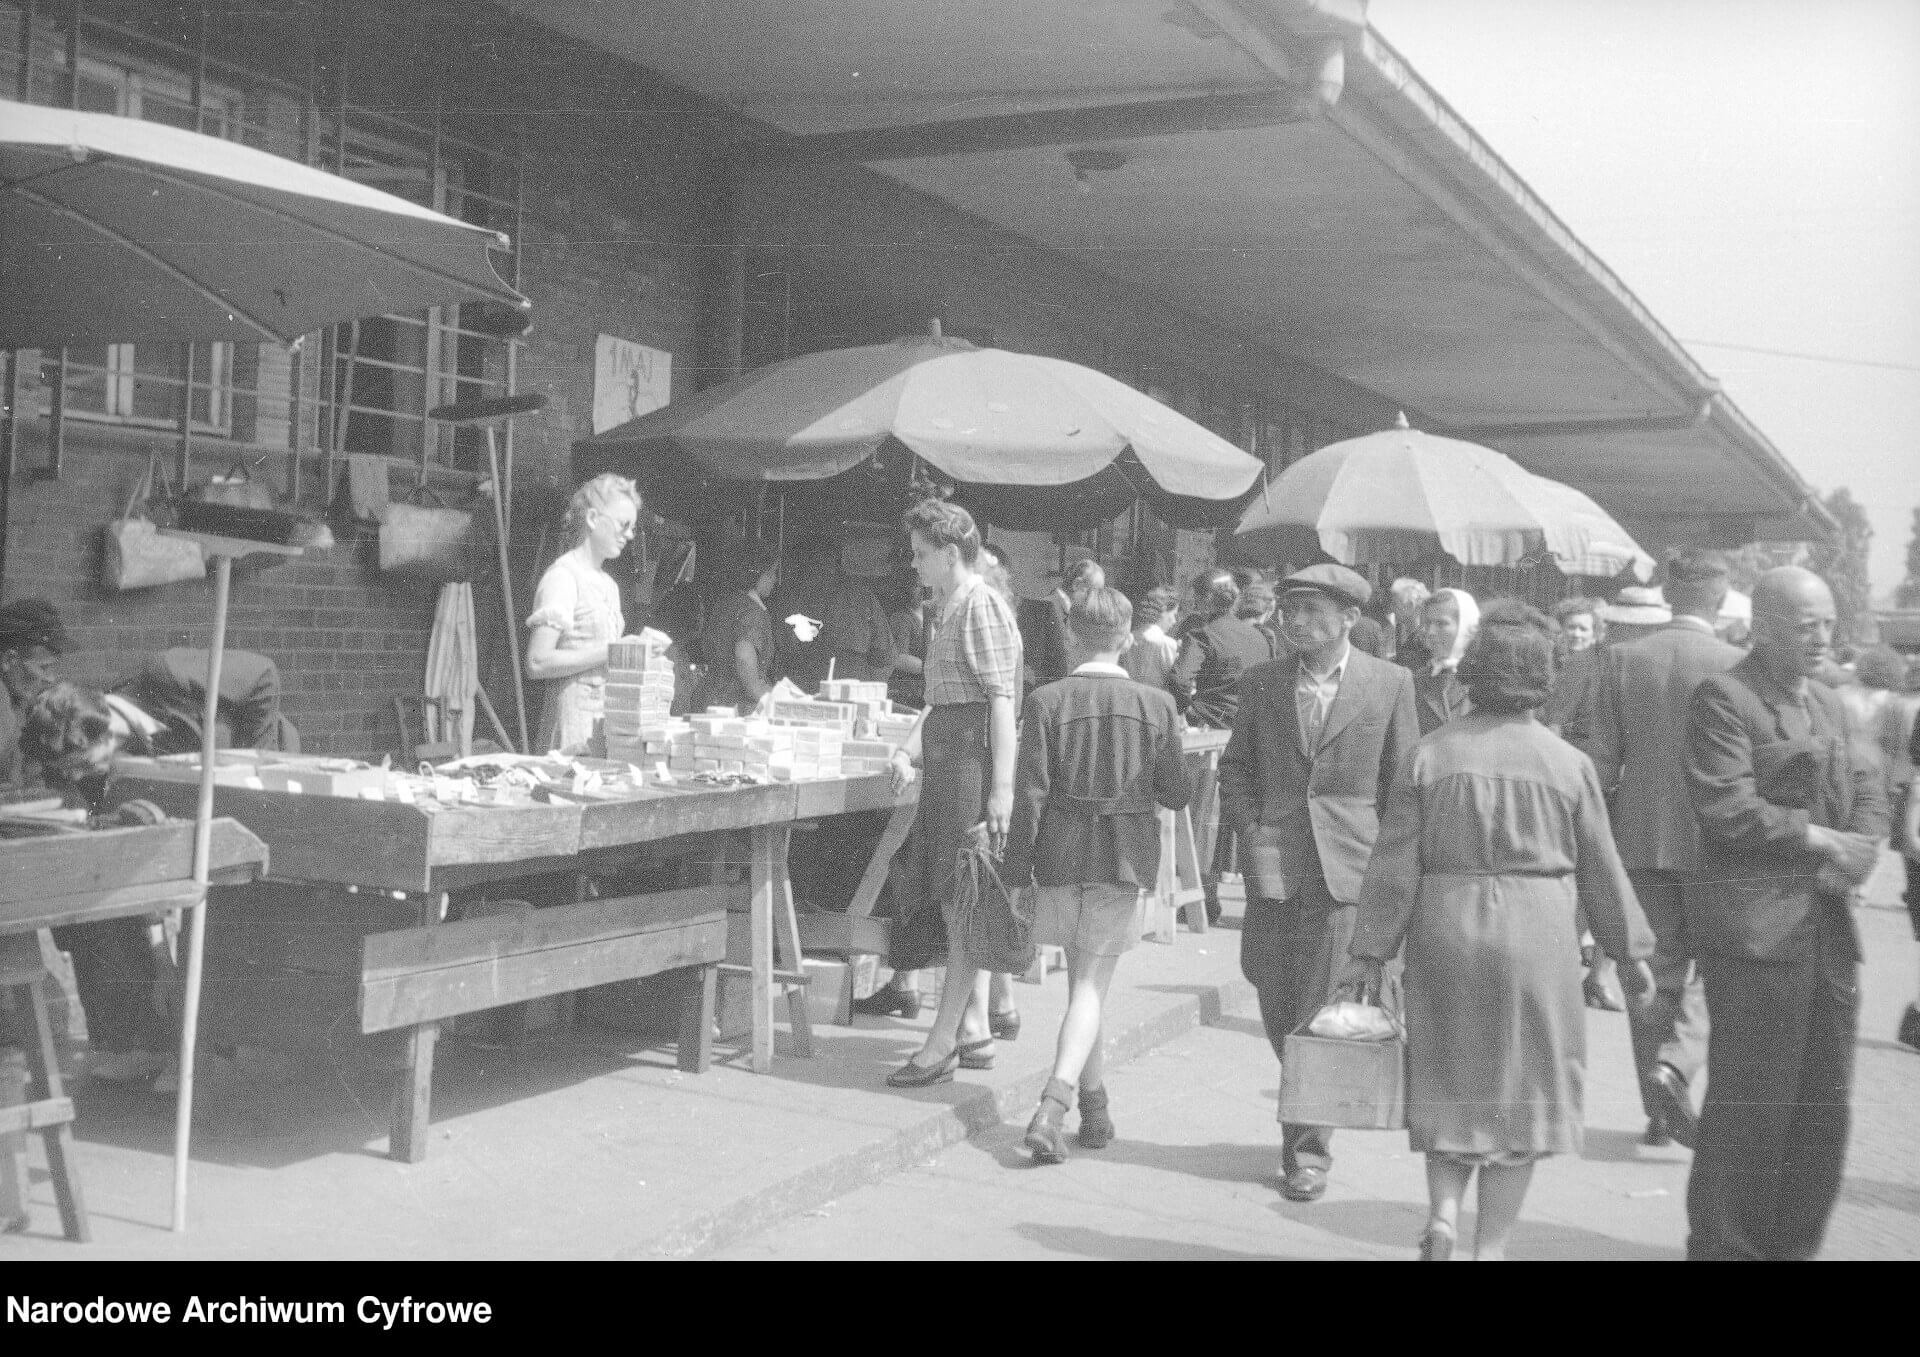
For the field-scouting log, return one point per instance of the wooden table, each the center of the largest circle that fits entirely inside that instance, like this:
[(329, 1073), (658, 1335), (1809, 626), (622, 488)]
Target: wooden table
[(59, 879), (1187, 837), (413, 978)]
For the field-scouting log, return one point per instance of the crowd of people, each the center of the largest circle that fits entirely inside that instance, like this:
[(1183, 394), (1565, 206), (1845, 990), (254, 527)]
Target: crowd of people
[(1511, 813), (1506, 815)]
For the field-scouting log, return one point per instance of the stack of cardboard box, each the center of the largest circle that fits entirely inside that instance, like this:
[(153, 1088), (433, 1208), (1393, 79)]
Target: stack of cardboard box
[(639, 702)]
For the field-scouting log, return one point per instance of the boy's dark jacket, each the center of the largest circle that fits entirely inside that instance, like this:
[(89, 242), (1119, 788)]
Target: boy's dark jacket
[(1098, 754)]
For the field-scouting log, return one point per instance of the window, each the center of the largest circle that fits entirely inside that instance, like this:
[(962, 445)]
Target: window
[(142, 384)]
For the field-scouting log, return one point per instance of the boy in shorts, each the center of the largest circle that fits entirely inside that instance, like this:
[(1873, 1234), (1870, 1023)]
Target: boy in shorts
[(1098, 753)]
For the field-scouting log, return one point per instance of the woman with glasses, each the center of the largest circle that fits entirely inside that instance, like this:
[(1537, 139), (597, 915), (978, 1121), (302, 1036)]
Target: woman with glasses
[(576, 612)]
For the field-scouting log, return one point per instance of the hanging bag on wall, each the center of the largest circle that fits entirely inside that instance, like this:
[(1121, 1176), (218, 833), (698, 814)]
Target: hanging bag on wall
[(426, 541), (138, 556)]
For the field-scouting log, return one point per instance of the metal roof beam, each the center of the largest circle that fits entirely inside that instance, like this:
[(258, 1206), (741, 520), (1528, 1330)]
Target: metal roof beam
[(1267, 106)]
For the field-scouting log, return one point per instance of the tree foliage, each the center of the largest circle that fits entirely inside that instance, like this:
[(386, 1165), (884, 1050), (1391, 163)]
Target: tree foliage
[(1842, 563), (1908, 594)]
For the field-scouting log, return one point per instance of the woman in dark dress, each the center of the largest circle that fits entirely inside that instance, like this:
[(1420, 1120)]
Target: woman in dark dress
[(965, 745)]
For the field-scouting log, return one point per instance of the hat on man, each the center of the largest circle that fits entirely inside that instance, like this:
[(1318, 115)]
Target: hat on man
[(1697, 567), (29, 622), (1636, 606), (1349, 588)]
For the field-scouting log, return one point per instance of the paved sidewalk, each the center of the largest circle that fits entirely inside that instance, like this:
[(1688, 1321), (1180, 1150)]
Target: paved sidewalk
[(579, 1145), (584, 1145)]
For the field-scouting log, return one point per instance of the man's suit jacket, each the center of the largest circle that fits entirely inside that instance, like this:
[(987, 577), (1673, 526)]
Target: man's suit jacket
[(1756, 784), (1439, 698), (1637, 740), (1314, 814)]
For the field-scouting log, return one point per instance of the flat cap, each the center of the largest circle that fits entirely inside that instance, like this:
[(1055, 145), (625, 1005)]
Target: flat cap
[(1697, 567), (1342, 585), (29, 622)]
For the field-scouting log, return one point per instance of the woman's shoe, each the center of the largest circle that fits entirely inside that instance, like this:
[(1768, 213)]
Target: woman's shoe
[(1044, 1136), (1005, 1025), (1909, 1033), (1436, 1243), (976, 1055), (1096, 1127), (911, 1075), (890, 1003)]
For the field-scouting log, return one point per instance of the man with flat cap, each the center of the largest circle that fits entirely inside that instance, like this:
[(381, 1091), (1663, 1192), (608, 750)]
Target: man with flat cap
[(1791, 817), (1638, 740), (1317, 740)]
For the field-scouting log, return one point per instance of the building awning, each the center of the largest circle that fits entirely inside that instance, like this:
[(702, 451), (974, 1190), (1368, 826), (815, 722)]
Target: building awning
[(1189, 148)]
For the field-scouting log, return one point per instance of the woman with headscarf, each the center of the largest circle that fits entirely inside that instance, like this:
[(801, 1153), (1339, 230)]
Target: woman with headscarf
[(1493, 830), (1448, 621), (576, 612)]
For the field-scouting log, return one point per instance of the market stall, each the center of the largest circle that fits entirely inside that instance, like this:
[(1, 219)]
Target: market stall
[(57, 879), (443, 967)]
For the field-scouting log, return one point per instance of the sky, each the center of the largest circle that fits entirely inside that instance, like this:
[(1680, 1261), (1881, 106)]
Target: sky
[(1751, 170)]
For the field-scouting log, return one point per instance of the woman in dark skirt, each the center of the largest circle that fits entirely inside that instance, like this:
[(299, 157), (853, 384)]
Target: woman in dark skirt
[(965, 745)]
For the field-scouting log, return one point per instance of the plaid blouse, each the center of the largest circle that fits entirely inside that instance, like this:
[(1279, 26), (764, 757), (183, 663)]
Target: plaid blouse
[(975, 650)]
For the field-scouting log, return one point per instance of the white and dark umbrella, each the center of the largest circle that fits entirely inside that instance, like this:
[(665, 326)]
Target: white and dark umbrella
[(115, 230)]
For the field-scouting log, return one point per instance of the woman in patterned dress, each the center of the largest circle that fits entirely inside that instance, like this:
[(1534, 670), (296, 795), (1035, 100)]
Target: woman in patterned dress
[(576, 612)]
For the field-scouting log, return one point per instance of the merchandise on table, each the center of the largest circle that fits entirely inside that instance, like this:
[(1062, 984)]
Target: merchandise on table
[(637, 724)]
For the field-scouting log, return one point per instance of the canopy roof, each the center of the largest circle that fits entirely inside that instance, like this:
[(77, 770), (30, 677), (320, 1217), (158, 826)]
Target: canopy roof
[(1375, 237)]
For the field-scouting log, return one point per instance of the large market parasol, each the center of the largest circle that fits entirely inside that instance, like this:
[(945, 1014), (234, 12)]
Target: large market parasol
[(115, 230), (1029, 442), (1400, 496)]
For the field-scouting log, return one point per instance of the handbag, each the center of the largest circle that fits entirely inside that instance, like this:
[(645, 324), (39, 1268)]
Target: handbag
[(236, 490), (138, 556), (1339, 1081), (995, 924), (427, 541)]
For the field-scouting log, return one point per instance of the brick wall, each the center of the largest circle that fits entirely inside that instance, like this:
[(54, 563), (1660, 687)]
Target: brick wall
[(606, 247)]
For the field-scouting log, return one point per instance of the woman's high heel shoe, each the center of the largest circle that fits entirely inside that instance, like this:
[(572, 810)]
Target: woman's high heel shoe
[(976, 1055), (1005, 1025), (890, 1003), (911, 1075)]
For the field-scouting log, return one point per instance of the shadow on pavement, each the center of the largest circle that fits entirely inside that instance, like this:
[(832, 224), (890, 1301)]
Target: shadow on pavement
[(1902, 1197), (1084, 1243), (290, 1110), (1607, 1146)]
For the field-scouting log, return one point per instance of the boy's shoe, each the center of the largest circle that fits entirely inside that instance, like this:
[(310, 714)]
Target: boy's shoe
[(1044, 1136), (1096, 1127)]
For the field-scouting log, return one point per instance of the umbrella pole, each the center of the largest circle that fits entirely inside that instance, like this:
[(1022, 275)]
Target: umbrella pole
[(197, 914), (506, 588)]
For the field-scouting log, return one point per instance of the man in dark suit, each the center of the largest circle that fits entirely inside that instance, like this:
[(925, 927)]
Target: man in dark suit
[(1637, 740), (1317, 739), (1790, 822)]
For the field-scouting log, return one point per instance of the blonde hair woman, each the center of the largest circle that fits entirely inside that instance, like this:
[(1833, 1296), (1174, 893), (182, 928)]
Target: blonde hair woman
[(576, 612)]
